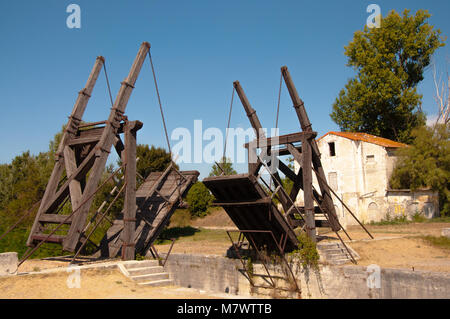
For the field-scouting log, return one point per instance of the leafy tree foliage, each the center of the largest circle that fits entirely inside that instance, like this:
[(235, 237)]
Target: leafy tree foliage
[(426, 163), (225, 165), (199, 199), (22, 184), (382, 99), (151, 159)]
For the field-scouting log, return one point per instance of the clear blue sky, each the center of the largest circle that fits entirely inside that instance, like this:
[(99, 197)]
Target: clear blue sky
[(199, 48)]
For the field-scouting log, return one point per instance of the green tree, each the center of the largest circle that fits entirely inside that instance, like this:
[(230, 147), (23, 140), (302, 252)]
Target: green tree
[(382, 99), (151, 159), (226, 167), (199, 198), (426, 163)]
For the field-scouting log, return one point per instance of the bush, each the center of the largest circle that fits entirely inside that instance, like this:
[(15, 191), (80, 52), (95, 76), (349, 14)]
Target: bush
[(199, 199), (307, 252)]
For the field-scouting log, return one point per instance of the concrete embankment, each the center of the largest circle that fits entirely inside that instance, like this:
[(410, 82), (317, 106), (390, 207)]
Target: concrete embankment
[(224, 275)]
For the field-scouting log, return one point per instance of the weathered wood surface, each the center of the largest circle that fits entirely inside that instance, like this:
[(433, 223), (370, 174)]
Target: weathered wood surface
[(153, 211), (260, 217), (103, 148), (71, 129), (281, 139), (130, 191), (306, 126), (84, 150)]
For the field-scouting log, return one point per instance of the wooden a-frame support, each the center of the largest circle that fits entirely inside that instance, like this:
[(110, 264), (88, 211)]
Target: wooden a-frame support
[(82, 151), (307, 156)]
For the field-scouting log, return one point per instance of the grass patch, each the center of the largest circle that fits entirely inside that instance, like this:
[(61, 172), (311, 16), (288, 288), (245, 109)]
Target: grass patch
[(180, 218), (445, 219), (415, 218), (189, 234), (441, 241), (397, 220)]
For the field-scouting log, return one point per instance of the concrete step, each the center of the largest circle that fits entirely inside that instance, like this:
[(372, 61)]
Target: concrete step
[(341, 261), (333, 250), (145, 270), (132, 264), (328, 246), (151, 277), (338, 256), (157, 283), (335, 253)]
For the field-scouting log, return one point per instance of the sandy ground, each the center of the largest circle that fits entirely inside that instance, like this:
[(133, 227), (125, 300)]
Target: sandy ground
[(394, 246), (94, 284)]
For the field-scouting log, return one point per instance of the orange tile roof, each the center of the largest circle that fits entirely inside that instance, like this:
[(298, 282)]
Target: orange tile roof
[(367, 138)]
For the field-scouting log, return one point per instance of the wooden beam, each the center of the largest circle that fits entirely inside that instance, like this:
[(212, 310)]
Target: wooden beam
[(129, 215), (74, 184), (307, 190), (280, 140), (55, 219), (262, 201)]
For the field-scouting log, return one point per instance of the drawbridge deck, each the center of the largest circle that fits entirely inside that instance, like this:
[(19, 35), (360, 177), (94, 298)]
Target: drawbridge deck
[(252, 211), (156, 199)]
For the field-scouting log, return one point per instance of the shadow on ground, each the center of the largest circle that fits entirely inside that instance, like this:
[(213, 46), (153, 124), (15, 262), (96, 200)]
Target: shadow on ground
[(175, 233)]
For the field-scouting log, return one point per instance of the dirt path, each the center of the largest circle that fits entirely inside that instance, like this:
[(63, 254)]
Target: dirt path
[(94, 284)]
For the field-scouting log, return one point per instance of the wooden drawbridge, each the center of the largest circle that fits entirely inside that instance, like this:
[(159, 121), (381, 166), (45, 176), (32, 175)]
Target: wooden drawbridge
[(156, 199)]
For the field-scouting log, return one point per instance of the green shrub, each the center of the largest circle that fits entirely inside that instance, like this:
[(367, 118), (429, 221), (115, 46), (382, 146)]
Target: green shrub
[(418, 217), (199, 199), (307, 252)]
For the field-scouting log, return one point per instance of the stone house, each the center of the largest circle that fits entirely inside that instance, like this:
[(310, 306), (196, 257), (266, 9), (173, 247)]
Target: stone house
[(358, 167)]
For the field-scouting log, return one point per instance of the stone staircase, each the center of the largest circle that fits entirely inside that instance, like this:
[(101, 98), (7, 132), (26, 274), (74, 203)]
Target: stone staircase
[(335, 253), (284, 288), (146, 273)]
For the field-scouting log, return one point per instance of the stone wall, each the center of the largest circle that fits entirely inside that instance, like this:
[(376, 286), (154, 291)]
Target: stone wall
[(224, 275)]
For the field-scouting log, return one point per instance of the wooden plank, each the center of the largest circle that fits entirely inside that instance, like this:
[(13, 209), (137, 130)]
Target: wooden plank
[(251, 217), (83, 140), (63, 191), (257, 202), (307, 191), (74, 184), (52, 239), (54, 219), (129, 217), (280, 140)]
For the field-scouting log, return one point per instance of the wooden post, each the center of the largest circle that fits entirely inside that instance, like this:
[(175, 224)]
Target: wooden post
[(307, 189), (129, 213)]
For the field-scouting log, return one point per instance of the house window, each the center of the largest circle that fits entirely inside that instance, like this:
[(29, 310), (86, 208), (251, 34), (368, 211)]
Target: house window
[(370, 158), (332, 149)]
